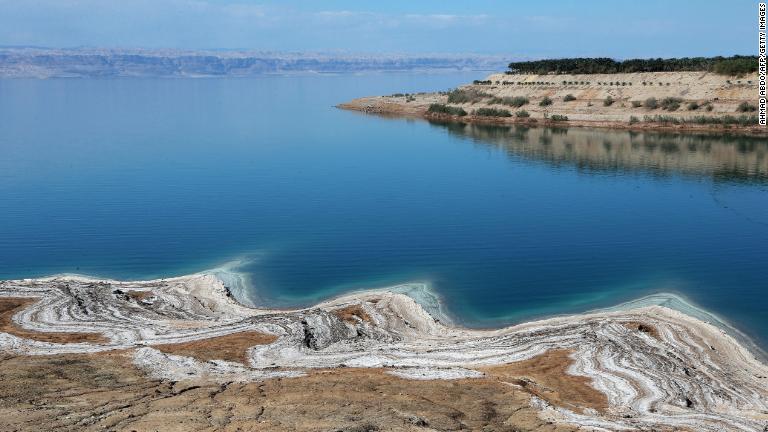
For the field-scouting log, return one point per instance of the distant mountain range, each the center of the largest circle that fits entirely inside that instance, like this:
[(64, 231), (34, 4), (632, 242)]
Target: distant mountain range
[(50, 63)]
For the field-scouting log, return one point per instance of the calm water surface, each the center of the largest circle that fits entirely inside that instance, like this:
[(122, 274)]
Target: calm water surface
[(150, 178)]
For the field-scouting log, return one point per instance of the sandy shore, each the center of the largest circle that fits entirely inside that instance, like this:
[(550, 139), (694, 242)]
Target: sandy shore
[(643, 366), (587, 109)]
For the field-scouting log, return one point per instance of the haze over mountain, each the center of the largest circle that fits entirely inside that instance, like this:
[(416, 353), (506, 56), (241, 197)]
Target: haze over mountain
[(88, 62)]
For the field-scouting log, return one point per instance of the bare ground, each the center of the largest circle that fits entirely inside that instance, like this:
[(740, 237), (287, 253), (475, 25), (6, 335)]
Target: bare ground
[(352, 314), (642, 327), (105, 392), (546, 376)]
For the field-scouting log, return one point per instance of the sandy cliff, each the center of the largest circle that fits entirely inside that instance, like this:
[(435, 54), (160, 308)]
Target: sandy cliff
[(715, 96)]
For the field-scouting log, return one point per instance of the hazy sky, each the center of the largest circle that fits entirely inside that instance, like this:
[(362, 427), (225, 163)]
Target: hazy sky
[(524, 28)]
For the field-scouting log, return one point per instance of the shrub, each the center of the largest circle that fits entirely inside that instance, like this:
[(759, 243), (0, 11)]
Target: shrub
[(693, 106), (746, 107), (466, 96), (727, 120), (663, 119), (633, 120), (743, 120), (569, 97), (492, 112), (522, 114), (558, 117), (651, 103), (637, 104), (608, 101), (516, 101), (445, 109), (546, 101), (709, 108), (671, 103), (735, 66)]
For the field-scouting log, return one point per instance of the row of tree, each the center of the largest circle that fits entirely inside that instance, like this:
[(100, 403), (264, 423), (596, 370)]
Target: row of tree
[(735, 65)]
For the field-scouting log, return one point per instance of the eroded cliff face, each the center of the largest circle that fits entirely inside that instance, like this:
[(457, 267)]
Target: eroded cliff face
[(185, 343), (692, 86)]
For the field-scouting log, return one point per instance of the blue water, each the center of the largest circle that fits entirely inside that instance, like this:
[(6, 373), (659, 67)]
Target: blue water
[(142, 178)]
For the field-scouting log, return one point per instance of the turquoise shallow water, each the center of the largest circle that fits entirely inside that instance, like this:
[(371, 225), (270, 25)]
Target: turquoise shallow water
[(150, 178)]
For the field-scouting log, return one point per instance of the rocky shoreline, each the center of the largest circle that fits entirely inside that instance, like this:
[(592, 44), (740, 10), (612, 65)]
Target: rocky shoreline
[(646, 368)]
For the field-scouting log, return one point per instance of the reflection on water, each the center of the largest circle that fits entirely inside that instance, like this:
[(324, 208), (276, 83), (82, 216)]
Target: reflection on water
[(151, 178), (721, 157)]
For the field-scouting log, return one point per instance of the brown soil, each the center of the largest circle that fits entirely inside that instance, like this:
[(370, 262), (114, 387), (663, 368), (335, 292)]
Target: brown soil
[(352, 313), (9, 306), (546, 376), (232, 347), (645, 328), (105, 392), (139, 295)]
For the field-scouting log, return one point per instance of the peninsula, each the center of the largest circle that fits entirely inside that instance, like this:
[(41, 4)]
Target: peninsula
[(696, 94)]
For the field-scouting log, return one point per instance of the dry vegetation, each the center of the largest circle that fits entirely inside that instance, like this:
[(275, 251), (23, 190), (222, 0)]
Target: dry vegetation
[(233, 347)]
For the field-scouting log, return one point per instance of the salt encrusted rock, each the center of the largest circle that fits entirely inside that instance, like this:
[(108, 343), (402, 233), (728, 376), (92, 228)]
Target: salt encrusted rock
[(657, 366)]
